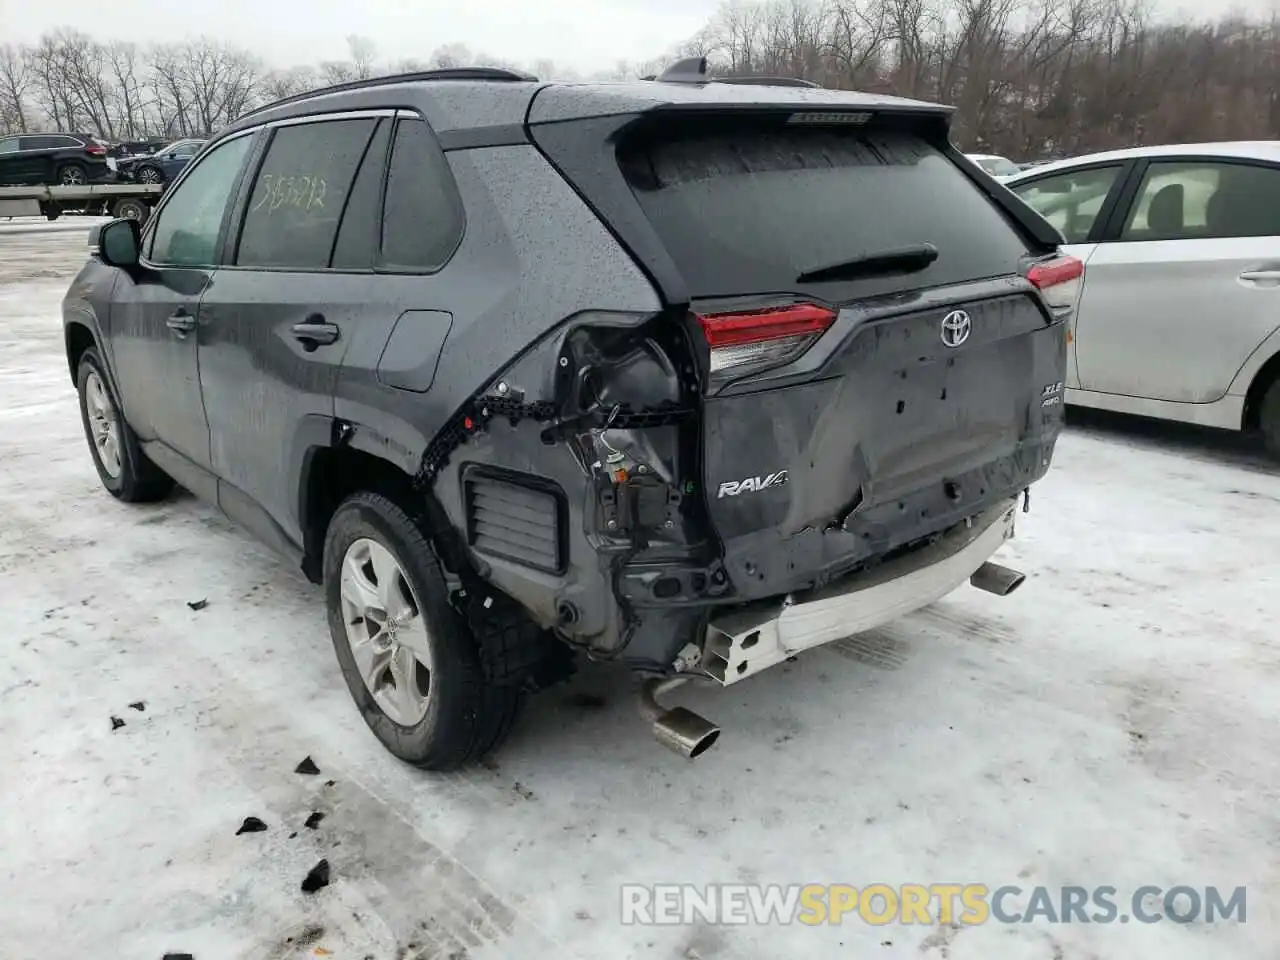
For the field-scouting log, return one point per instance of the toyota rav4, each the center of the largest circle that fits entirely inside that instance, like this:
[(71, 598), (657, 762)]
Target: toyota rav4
[(682, 373)]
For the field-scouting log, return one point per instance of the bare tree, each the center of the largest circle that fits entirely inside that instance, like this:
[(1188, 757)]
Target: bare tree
[(15, 82)]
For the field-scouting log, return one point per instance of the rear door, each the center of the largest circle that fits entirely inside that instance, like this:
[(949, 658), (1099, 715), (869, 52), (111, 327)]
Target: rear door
[(33, 162), (277, 319), (1078, 203), (317, 282), (1188, 283)]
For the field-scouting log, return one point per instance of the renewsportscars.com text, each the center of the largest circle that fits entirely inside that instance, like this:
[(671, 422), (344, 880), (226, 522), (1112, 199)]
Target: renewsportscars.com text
[(910, 903)]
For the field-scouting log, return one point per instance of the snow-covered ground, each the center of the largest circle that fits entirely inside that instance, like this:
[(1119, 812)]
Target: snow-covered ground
[(1112, 723)]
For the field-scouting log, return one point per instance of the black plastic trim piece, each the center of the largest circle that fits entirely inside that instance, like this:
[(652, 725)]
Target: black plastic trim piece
[(473, 473), (473, 138)]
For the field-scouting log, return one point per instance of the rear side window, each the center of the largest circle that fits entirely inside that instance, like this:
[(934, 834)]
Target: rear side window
[(422, 218), (300, 193), (1185, 200), (747, 212), (357, 244)]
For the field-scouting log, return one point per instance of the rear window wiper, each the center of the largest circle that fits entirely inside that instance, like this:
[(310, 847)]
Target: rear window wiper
[(906, 259)]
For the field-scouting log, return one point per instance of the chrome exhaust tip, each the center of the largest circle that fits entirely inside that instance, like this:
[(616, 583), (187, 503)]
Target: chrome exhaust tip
[(677, 728), (996, 579)]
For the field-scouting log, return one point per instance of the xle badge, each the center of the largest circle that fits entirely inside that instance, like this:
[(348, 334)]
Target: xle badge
[(731, 488)]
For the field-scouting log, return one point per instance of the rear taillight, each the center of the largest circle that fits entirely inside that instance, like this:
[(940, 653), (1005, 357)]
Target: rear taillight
[(1059, 281), (751, 341), (95, 149)]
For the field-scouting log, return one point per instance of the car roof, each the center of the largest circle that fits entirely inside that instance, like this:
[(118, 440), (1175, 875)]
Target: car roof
[(471, 98), (1240, 149)]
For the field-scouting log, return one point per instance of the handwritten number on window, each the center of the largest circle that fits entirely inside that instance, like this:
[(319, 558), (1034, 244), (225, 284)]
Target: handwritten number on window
[(305, 193)]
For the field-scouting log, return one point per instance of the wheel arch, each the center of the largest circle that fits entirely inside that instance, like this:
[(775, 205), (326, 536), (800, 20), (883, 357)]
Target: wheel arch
[(329, 474), (79, 336), (1267, 374)]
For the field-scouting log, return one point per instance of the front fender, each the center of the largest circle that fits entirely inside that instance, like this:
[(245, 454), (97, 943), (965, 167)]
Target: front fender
[(87, 307)]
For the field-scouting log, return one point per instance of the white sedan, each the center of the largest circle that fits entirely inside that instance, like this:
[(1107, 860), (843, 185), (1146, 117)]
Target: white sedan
[(1179, 317), (1002, 168)]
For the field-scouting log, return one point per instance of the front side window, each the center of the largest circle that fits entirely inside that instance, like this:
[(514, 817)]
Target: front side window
[(9, 145), (190, 222), (1181, 200), (300, 193), (1070, 201)]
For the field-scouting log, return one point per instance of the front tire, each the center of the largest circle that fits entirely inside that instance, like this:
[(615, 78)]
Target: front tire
[(122, 467), (411, 662), (150, 175)]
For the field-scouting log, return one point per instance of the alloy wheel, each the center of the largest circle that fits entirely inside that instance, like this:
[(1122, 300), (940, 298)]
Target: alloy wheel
[(389, 637), (104, 424)]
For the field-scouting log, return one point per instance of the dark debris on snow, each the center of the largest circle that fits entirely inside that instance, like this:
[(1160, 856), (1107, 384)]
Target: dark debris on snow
[(251, 825), (317, 878)]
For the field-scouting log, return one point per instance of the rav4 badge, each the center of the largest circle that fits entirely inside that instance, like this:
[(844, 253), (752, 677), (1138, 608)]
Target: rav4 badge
[(731, 488)]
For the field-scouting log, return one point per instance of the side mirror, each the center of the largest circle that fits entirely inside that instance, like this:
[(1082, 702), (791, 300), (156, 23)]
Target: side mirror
[(118, 243)]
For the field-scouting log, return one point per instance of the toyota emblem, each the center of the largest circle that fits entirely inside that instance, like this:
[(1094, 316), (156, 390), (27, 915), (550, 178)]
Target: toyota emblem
[(956, 327)]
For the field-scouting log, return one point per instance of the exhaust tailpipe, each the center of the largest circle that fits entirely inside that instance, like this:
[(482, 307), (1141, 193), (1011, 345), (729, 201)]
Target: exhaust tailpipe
[(996, 579), (676, 728)]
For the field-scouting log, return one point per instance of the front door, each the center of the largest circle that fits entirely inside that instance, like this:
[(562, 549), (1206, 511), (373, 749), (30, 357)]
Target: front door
[(155, 325), (1174, 305)]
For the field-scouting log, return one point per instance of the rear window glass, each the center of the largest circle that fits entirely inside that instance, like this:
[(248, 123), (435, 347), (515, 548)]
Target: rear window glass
[(748, 212)]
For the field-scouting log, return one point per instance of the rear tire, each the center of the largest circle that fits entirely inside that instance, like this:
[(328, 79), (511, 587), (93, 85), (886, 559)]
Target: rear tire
[(1269, 419), (117, 455), (72, 175), (130, 209), (459, 709)]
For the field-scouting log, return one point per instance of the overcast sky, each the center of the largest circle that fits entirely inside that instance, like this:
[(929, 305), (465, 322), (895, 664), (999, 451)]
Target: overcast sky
[(586, 35)]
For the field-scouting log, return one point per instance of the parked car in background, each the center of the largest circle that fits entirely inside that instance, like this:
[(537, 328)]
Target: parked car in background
[(69, 159), (517, 368), (1180, 314), (135, 148), (159, 167), (999, 167)]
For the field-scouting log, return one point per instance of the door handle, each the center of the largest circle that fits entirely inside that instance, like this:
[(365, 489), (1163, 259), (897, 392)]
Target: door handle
[(181, 323), (1267, 275), (314, 332)]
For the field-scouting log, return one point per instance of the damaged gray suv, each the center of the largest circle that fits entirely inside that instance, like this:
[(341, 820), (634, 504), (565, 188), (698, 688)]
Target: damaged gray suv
[(682, 373)]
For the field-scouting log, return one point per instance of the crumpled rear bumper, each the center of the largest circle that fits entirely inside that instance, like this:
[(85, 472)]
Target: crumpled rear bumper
[(746, 641)]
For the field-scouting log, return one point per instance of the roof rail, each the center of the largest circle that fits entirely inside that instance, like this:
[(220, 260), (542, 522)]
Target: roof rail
[(500, 74), (768, 81)]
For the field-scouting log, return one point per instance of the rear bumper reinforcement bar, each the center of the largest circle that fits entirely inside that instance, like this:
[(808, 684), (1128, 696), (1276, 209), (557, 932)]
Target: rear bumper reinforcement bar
[(746, 641)]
